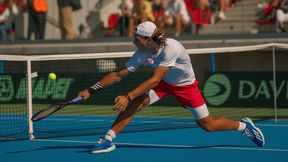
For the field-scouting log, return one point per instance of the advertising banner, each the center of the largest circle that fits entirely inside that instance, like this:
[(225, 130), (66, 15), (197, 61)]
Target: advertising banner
[(246, 89)]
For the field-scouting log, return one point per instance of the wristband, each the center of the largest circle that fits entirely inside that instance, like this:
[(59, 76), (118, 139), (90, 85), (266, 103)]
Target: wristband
[(128, 97), (94, 88)]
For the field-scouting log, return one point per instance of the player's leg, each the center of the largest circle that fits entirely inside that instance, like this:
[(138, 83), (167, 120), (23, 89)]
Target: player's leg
[(123, 119), (212, 124), (137, 104), (191, 98)]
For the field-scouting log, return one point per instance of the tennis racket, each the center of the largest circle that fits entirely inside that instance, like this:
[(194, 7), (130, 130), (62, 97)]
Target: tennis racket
[(53, 108)]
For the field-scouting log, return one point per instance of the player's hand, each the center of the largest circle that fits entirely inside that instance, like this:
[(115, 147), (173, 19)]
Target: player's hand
[(121, 103), (85, 94)]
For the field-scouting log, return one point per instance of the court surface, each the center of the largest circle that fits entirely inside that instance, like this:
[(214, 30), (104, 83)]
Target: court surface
[(191, 144)]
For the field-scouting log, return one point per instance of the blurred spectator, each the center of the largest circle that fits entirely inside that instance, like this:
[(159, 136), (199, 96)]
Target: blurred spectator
[(13, 13), (37, 18), (221, 14), (272, 5), (112, 24), (262, 4), (218, 9), (66, 7), (142, 11), (267, 11), (4, 23), (282, 17), (203, 3), (13, 7), (201, 15), (85, 29), (158, 7), (21, 4), (190, 4), (177, 14), (125, 11)]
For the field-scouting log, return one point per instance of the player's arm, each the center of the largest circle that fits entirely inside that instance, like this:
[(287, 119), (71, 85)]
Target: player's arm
[(113, 77), (109, 79), (157, 76), (121, 102)]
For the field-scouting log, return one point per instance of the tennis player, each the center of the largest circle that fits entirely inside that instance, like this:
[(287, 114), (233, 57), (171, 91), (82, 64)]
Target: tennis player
[(173, 75)]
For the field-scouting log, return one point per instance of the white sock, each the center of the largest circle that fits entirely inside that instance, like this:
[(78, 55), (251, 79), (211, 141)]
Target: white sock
[(242, 126), (110, 135)]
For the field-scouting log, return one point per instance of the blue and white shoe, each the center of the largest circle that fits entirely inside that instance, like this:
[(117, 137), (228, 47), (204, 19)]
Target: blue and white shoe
[(254, 133), (103, 146)]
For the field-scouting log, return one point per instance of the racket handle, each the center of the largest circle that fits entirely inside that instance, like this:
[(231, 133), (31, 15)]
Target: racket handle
[(77, 99)]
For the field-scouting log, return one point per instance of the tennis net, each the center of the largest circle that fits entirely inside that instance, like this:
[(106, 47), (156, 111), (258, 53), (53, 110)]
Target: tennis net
[(236, 82)]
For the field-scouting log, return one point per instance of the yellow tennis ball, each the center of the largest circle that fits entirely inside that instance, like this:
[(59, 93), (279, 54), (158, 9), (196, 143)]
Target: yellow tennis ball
[(52, 76)]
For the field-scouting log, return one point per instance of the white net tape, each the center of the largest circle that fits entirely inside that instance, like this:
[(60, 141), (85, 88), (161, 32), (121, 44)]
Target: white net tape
[(128, 54)]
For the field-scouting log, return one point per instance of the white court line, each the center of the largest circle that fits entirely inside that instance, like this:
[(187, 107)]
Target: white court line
[(171, 146), (146, 122), (272, 125)]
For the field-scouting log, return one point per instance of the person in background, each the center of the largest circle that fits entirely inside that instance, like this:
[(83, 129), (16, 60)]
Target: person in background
[(13, 13), (267, 11), (125, 11), (66, 8), (13, 8), (218, 9), (261, 5), (142, 11), (221, 14), (177, 14), (273, 4), (37, 10), (4, 23), (4, 26), (282, 16), (158, 7), (85, 29)]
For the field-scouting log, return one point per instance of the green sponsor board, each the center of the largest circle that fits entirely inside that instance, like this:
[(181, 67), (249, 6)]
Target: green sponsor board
[(7, 89), (246, 89), (227, 89), (13, 88)]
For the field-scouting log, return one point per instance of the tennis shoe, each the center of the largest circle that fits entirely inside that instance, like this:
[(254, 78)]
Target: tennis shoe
[(103, 146), (254, 133)]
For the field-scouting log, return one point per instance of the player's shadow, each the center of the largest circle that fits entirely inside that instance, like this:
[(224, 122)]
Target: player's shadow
[(87, 148)]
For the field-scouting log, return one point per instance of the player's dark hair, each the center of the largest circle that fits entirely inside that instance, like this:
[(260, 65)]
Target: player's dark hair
[(159, 37)]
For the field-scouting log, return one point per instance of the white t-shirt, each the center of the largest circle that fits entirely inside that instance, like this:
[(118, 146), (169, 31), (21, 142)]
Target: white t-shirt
[(178, 7), (174, 55)]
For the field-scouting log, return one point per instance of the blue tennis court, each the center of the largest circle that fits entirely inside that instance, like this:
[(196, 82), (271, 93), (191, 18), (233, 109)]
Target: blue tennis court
[(191, 144), (234, 85)]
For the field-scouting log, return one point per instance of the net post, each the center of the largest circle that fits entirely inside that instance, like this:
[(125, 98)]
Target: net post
[(29, 100), (275, 85)]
